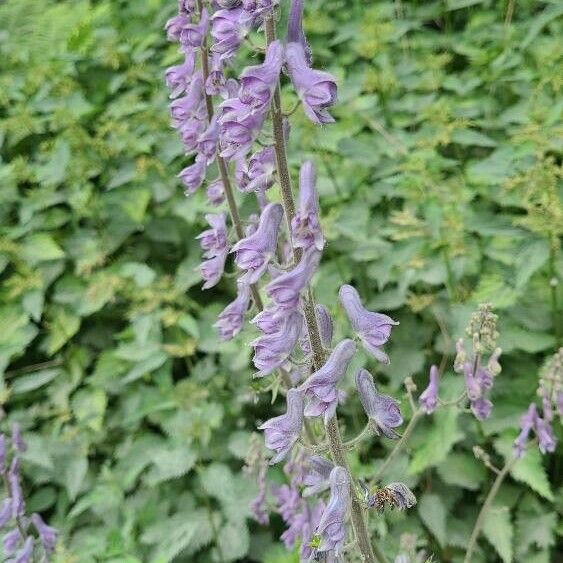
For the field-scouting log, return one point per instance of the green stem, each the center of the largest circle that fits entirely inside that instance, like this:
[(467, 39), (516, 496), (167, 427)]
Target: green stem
[(485, 508), (554, 286)]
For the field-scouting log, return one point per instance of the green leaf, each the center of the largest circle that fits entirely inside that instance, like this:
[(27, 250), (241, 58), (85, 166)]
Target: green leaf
[(438, 441), (41, 247), (433, 514), (75, 471), (472, 137), (234, 540), (32, 381), (498, 529), (63, 325), (89, 407), (462, 470), (170, 463), (530, 470)]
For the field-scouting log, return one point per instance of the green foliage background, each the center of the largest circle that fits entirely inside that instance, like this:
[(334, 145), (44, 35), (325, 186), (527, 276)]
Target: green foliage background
[(439, 187)]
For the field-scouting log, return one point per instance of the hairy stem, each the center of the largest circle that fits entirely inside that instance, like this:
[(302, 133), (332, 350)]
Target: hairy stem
[(485, 508), (335, 440), (400, 444)]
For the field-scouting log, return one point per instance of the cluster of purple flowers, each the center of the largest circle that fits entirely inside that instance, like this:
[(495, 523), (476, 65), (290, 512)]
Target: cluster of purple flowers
[(19, 542)]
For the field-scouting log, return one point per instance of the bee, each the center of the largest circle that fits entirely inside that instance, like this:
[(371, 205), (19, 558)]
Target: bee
[(394, 495)]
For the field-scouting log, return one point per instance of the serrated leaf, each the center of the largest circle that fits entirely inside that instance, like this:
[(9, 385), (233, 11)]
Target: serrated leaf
[(433, 513), (41, 247), (462, 470), (498, 529), (63, 325), (32, 381), (170, 463), (234, 540)]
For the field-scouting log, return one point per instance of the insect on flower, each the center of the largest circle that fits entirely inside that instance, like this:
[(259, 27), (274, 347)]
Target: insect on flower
[(396, 495)]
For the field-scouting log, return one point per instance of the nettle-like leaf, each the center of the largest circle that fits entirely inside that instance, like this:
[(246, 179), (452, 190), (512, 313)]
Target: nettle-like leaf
[(433, 513), (499, 531)]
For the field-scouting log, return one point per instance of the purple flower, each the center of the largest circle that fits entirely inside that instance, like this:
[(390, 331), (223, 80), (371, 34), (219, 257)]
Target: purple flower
[(228, 29), (472, 384), (382, 410), (527, 423), (24, 554), (332, 527), (268, 321), (6, 512), (288, 502), (207, 142), (481, 408), (324, 321), (214, 240), (254, 10), (174, 27), (231, 319), (255, 251), (192, 176), (47, 534), (216, 83), (258, 504), (186, 7), (179, 77), (429, 397), (320, 388), (18, 504), (305, 227), (193, 34), (2, 453), (189, 105), (310, 522), (373, 329), (260, 172), (295, 33), (287, 287), (272, 350), (215, 193), (544, 432), (316, 479), (190, 132), (257, 83), (281, 432), (212, 270), (11, 540), (238, 128), (315, 88)]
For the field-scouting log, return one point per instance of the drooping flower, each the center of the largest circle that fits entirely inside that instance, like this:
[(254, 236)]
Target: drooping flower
[(254, 252), (231, 319), (6, 512), (216, 83), (281, 432), (178, 77), (190, 105), (214, 240), (324, 321), (320, 389), (286, 289), (207, 142), (11, 540), (254, 10), (212, 270), (215, 193), (193, 34), (18, 503), (317, 477), (544, 432), (25, 554), (268, 321), (228, 29), (295, 33), (258, 504), (190, 132), (257, 83), (259, 175), (305, 226), (429, 397), (382, 410), (527, 423), (272, 350), (47, 534), (192, 176), (332, 527), (187, 7), (316, 89), (373, 329), (481, 408), (174, 27)]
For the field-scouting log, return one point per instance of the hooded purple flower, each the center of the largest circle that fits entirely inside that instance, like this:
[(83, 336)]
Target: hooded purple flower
[(207, 142), (382, 410), (187, 7), (190, 131), (429, 397), (527, 423), (47, 534), (11, 540), (268, 321), (316, 479), (324, 321), (189, 105), (295, 33), (259, 175), (192, 176), (255, 251), (316, 89), (272, 350), (6, 512), (481, 408), (258, 504), (320, 388), (228, 29), (332, 527), (179, 77), (544, 432), (254, 10), (231, 319), (305, 227), (174, 27), (216, 83), (193, 34), (212, 270), (281, 432), (373, 329), (214, 240), (18, 503), (25, 554), (215, 193), (285, 289), (257, 83), (238, 128)]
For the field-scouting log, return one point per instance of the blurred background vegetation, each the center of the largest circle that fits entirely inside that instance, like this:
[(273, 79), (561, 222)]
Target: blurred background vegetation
[(440, 188)]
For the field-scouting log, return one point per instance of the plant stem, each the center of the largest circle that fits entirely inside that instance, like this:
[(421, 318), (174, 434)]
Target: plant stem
[(400, 444), (553, 284), (333, 431), (485, 508)]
